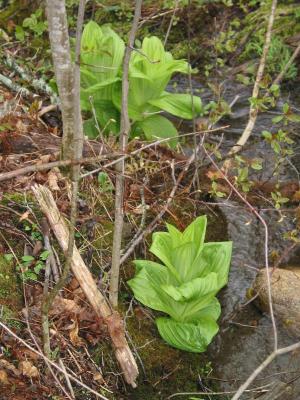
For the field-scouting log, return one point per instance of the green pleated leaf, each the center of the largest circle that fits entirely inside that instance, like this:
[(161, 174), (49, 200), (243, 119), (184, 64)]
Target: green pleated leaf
[(175, 235), (90, 129), (211, 310), (180, 105), (147, 282), (158, 127), (101, 57), (182, 258), (204, 288), (151, 70), (162, 248), (214, 257), (188, 336), (186, 287), (108, 116), (196, 231)]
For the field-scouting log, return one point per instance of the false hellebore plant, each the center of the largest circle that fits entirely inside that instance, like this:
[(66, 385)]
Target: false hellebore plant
[(150, 71), (185, 285)]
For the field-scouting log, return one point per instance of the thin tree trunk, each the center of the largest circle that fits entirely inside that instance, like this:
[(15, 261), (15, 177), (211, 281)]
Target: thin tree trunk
[(75, 173), (120, 167), (63, 68)]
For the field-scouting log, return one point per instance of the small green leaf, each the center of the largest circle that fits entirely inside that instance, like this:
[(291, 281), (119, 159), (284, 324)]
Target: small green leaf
[(293, 117), (276, 147), (243, 174), (267, 135), (30, 275), (44, 255), (277, 119), (8, 257), (256, 164), (38, 267), (27, 258), (159, 127), (19, 33), (285, 108)]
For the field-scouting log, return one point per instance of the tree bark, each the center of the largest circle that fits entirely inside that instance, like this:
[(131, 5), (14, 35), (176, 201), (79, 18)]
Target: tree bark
[(63, 68), (120, 167)]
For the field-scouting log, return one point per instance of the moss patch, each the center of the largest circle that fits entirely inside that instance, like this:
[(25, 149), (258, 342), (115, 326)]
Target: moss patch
[(10, 293)]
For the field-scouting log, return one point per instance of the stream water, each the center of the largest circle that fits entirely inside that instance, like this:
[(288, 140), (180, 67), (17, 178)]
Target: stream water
[(246, 335)]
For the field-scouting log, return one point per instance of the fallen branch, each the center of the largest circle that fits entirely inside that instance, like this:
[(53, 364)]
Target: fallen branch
[(15, 87), (89, 160), (54, 164), (88, 285), (38, 84)]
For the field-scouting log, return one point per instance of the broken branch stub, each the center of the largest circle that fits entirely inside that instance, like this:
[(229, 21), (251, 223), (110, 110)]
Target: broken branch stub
[(85, 279)]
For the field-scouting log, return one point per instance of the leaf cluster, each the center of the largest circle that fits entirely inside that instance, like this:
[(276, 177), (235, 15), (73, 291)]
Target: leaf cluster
[(185, 285), (150, 70)]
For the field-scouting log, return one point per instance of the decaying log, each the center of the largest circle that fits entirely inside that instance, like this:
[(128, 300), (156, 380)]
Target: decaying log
[(84, 277)]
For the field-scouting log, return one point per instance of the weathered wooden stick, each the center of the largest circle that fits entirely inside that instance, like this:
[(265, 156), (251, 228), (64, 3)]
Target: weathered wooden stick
[(84, 277)]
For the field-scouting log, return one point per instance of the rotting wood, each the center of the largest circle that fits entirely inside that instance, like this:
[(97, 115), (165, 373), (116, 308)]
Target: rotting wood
[(84, 277)]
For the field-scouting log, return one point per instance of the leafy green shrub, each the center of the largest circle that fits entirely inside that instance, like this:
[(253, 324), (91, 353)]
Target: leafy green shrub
[(150, 71), (278, 56), (185, 286)]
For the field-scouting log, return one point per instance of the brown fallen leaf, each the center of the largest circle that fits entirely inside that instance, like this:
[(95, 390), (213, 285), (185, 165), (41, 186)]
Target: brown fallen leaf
[(3, 378), (73, 284), (44, 159), (62, 306), (214, 174), (28, 369), (9, 366), (21, 127), (98, 378), (296, 196), (24, 216), (75, 339), (53, 181)]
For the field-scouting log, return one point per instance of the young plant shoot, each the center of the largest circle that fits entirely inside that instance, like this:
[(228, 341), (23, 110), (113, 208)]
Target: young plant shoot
[(150, 70), (185, 285)]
